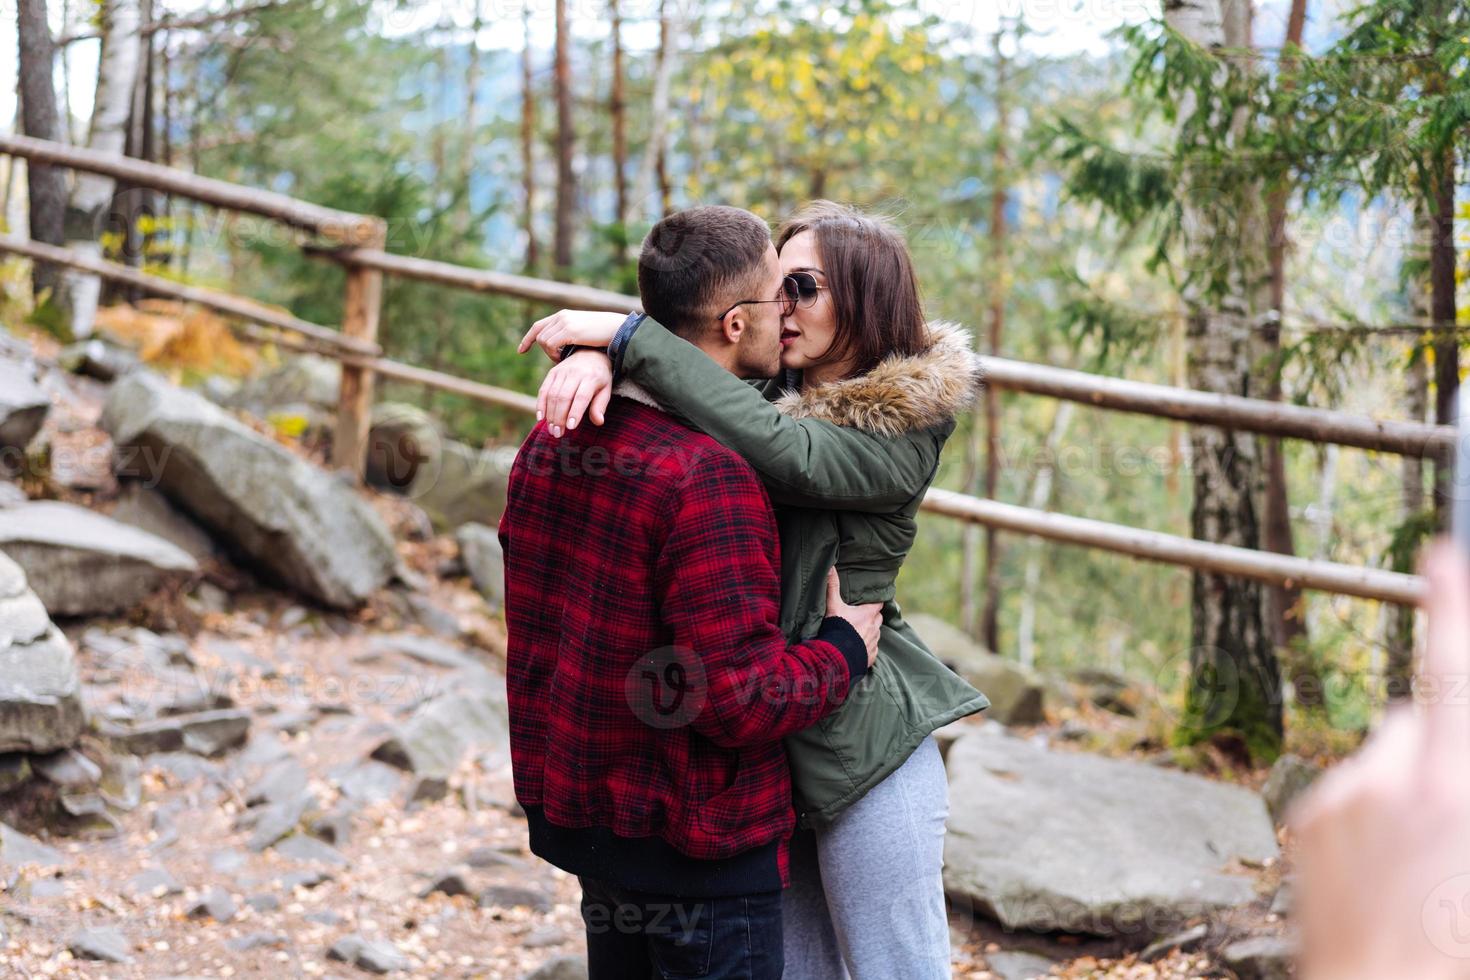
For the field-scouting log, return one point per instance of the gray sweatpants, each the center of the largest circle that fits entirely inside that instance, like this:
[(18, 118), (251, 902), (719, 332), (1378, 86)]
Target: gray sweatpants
[(867, 894)]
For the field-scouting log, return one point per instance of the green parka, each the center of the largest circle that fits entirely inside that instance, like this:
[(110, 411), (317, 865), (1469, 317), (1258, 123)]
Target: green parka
[(846, 464)]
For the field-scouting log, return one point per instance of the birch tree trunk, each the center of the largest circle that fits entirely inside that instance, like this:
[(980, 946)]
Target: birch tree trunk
[(616, 106), (1287, 621), (117, 73), (1235, 686), (1039, 499), (39, 117), (528, 147), (655, 155), (566, 188)]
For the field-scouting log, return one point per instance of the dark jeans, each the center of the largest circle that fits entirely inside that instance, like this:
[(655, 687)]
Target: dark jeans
[(634, 935)]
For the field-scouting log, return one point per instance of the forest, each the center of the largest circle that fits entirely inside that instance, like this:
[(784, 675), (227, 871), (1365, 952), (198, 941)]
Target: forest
[(1258, 199)]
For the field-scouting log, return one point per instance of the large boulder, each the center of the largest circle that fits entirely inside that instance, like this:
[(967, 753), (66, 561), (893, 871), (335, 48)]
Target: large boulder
[(1016, 693), (402, 440), (40, 694), (23, 407), (304, 380), (82, 563), (301, 526), (143, 507), (463, 485), (483, 558), (1052, 840), (469, 713)]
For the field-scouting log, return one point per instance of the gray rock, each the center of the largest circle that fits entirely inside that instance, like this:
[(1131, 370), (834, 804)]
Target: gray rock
[(17, 849), (542, 937), (1187, 941), (263, 902), (88, 815), (472, 714), (1262, 957), (561, 968), (428, 789), (1069, 841), (145, 508), (305, 379), (23, 408), (424, 649), (279, 819), (463, 484), (104, 943), (1018, 965), (283, 781), (227, 861), (489, 857), (449, 882), (154, 883), (325, 917), (40, 692), (514, 896), (370, 781), (82, 563), (1285, 898), (433, 617), (302, 527), (1017, 694), (203, 733), (372, 955), (256, 940), (1290, 777), (182, 766), (68, 768), (10, 494), (1108, 690), (305, 879), (402, 440), (97, 358), (303, 847), (479, 549), (215, 904), (335, 827)]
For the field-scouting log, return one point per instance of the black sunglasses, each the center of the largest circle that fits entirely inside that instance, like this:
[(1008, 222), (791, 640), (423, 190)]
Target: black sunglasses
[(804, 287), (797, 289)]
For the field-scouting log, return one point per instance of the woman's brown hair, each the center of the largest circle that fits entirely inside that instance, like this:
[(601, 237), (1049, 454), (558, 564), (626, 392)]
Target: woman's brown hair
[(870, 277)]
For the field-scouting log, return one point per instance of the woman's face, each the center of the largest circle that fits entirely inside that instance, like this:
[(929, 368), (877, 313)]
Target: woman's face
[(807, 334)]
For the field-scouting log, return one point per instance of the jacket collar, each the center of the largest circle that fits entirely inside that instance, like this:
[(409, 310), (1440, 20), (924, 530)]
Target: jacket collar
[(629, 389), (901, 394)]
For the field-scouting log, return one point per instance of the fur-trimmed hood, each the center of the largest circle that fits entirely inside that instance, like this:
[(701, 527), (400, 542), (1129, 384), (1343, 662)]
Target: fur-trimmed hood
[(901, 394)]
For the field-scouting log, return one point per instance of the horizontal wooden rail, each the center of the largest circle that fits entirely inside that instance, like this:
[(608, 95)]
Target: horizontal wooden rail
[(481, 280), (1229, 411), (325, 338), (341, 226), (398, 371), (1263, 566)]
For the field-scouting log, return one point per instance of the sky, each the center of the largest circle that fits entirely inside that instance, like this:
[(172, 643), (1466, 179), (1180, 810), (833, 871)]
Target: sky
[(1060, 27)]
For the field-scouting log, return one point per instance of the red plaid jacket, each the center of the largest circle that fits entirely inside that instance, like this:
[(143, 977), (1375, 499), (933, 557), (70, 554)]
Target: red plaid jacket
[(649, 682)]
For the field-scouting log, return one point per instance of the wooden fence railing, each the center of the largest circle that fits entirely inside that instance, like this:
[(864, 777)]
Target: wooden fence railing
[(357, 242)]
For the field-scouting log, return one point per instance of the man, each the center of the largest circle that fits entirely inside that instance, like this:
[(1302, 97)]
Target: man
[(649, 681)]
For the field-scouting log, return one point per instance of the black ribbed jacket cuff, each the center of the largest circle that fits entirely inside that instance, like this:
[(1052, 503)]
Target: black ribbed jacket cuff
[(842, 635)]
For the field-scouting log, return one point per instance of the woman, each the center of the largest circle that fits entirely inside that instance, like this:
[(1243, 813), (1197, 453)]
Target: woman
[(846, 442)]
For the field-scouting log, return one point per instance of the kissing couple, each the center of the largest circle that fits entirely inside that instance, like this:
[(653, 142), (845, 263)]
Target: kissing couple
[(720, 721)]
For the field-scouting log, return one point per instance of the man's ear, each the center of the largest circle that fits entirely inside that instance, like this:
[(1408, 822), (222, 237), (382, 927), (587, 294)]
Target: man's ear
[(734, 325)]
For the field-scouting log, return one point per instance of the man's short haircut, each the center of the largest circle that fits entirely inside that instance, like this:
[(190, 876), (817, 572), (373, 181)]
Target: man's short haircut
[(696, 263)]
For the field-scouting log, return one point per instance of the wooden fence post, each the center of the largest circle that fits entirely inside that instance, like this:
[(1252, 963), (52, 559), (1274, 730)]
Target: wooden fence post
[(360, 314)]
